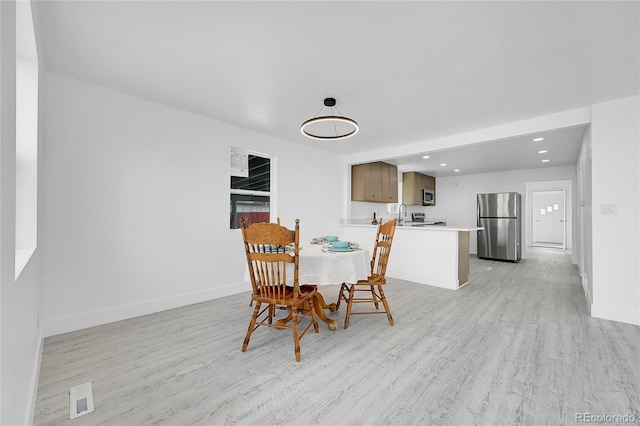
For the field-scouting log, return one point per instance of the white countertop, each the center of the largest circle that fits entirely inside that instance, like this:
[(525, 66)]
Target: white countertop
[(407, 226), (428, 255)]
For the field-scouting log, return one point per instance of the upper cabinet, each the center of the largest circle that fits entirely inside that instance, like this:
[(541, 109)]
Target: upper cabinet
[(374, 182), (412, 185), (430, 182)]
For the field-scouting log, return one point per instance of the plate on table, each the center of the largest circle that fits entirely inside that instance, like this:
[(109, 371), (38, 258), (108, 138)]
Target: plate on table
[(341, 249)]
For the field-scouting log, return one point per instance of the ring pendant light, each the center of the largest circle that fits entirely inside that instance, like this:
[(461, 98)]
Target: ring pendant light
[(352, 125)]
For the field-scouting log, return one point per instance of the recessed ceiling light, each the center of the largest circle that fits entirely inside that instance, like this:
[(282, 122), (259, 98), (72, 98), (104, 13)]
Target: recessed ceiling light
[(538, 139), (544, 151), (456, 170), (425, 156), (545, 161), (443, 164)]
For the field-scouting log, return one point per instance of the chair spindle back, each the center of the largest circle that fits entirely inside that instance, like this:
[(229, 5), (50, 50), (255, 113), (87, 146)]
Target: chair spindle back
[(267, 258), (382, 248)]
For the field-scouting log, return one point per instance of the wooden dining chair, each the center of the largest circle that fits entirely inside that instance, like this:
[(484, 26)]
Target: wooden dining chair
[(269, 264), (372, 286), (278, 222)]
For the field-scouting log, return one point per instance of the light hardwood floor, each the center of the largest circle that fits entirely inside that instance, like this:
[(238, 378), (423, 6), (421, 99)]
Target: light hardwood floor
[(515, 346)]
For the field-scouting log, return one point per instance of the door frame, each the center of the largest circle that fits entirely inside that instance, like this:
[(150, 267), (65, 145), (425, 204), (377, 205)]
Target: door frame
[(552, 185), (564, 218)]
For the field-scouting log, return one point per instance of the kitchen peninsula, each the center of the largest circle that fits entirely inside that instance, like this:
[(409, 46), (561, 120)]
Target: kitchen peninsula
[(432, 255)]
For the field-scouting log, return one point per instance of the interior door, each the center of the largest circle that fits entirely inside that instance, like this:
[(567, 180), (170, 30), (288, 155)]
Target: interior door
[(549, 223)]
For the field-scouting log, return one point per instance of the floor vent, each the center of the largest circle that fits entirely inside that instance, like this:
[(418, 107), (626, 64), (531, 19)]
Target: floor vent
[(80, 400)]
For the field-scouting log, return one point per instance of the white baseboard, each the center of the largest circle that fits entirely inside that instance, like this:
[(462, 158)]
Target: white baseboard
[(607, 312), (615, 313), (587, 294), (35, 379), (442, 282), (61, 325)]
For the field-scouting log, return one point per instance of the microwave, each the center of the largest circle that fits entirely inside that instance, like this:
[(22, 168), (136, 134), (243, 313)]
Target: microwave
[(428, 197)]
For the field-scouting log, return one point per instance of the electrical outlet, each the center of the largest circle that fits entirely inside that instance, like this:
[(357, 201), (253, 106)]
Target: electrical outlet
[(608, 209)]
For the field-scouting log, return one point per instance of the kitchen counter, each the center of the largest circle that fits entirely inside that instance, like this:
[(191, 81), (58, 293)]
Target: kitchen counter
[(434, 255), (417, 226)]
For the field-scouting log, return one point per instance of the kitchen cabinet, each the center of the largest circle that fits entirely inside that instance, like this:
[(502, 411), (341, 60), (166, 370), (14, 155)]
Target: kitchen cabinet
[(430, 182), (412, 185), (389, 183), (374, 182)]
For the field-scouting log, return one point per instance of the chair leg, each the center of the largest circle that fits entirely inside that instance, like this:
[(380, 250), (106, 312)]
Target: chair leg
[(314, 317), (352, 292), (252, 325), (341, 295), (272, 313), (296, 334), (386, 305), (374, 296)]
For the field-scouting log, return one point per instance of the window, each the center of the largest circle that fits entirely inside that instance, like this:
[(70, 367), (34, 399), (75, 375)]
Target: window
[(250, 187), (26, 137)]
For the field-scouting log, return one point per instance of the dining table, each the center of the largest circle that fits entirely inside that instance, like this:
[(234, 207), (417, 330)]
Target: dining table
[(322, 266)]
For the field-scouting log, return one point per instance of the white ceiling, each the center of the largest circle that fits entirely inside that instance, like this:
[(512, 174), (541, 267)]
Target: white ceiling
[(406, 71), (562, 146)]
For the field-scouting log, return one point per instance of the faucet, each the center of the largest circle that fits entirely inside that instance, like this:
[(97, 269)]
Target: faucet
[(400, 220)]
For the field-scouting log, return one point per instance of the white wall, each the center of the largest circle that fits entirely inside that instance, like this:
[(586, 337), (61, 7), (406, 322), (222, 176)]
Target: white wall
[(364, 210), (615, 168), (137, 204), (456, 195), (21, 299), (584, 240)]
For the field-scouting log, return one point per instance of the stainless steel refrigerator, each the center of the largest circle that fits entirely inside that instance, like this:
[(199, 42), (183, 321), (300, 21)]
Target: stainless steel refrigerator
[(500, 215)]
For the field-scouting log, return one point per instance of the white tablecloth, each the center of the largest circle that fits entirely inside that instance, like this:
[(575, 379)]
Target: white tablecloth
[(322, 268), (326, 268)]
